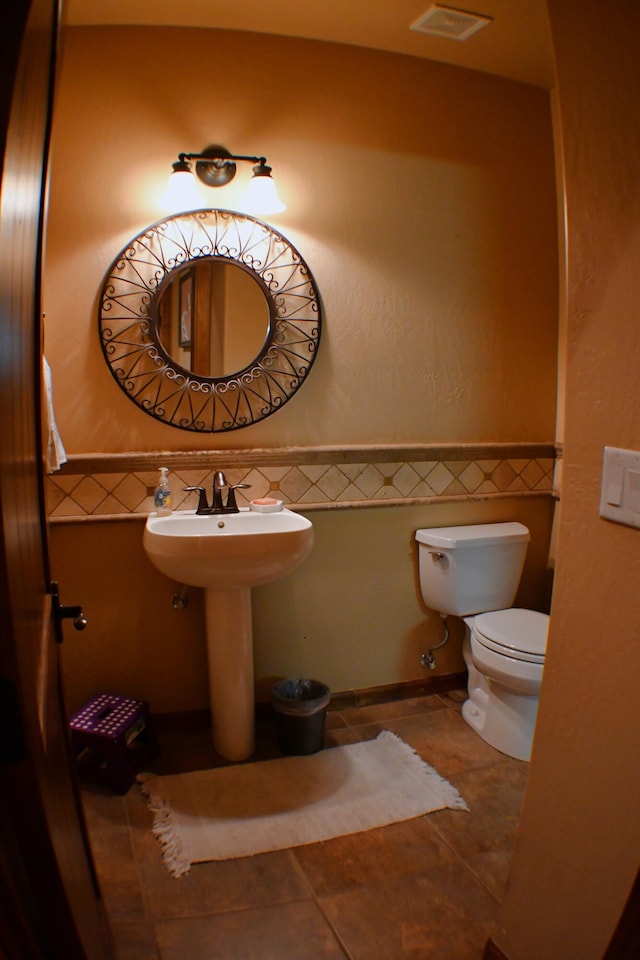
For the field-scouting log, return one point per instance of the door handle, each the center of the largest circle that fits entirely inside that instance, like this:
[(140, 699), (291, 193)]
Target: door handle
[(62, 612)]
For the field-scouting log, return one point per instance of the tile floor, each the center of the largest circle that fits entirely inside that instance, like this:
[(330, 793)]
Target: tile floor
[(426, 889)]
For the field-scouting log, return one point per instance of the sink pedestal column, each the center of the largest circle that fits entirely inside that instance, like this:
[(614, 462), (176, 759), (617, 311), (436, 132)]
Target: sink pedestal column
[(231, 689)]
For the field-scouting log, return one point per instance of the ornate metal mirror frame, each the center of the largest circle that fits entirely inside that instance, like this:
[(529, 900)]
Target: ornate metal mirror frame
[(129, 334)]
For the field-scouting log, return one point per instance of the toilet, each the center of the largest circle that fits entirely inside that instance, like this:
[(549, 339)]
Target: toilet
[(473, 572)]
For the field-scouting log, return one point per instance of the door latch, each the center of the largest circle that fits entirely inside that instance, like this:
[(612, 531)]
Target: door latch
[(62, 612)]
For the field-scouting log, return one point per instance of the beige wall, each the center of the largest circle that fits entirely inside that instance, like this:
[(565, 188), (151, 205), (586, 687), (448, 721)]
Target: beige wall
[(420, 195), (580, 831), (423, 199), (351, 615)]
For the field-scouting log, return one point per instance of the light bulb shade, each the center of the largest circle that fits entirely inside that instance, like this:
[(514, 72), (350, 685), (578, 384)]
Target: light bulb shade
[(262, 196), (181, 193)]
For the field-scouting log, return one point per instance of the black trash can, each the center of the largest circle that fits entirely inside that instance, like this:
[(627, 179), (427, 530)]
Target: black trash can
[(301, 710)]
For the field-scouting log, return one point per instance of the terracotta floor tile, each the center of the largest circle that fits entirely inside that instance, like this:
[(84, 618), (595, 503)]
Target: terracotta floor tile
[(341, 736), (295, 931), (133, 940), (111, 843), (426, 888), (212, 888), (494, 795), (454, 699), (373, 856), (114, 856), (334, 720), (443, 740), (444, 915), (184, 751), (492, 869), (121, 893), (102, 808)]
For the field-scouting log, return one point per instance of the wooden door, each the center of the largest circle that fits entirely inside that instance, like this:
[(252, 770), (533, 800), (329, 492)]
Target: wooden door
[(49, 899)]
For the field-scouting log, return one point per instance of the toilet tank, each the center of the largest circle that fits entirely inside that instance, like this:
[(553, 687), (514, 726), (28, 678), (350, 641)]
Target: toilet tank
[(472, 569)]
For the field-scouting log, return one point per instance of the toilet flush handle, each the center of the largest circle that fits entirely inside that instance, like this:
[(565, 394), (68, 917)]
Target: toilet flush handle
[(436, 555)]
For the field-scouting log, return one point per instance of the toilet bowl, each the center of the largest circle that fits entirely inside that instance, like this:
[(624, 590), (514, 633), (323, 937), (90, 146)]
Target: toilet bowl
[(473, 572), (504, 654)]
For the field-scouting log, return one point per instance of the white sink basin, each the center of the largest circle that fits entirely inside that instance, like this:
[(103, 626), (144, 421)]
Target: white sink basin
[(245, 549), (227, 554)]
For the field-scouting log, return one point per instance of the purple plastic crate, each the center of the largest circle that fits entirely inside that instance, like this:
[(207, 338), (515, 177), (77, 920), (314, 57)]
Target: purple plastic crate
[(115, 733), (107, 715)]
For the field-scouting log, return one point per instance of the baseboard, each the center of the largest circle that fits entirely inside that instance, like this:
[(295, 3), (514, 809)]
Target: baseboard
[(493, 952), (187, 720), (402, 690)]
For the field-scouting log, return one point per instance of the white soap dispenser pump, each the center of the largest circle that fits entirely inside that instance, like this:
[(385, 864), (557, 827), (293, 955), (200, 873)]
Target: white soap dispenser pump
[(162, 499)]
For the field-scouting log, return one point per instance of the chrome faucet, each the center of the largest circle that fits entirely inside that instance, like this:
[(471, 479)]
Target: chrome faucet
[(217, 506)]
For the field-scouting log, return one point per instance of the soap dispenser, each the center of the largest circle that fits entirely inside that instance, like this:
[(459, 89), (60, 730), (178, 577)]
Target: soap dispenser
[(162, 499)]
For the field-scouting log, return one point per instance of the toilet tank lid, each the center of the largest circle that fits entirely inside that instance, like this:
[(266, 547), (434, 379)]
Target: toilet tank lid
[(474, 535)]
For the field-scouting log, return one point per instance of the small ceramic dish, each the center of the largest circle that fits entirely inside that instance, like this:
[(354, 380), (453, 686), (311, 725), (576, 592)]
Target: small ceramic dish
[(266, 505)]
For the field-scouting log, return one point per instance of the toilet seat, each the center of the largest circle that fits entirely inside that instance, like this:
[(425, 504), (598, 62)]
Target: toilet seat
[(516, 633)]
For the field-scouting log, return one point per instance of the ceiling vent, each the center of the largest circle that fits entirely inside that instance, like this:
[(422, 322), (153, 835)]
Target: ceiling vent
[(441, 21)]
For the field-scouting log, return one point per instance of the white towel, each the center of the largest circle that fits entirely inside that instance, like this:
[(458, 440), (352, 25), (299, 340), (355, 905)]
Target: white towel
[(55, 454)]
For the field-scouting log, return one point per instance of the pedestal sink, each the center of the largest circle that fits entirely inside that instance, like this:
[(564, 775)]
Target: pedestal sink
[(228, 554)]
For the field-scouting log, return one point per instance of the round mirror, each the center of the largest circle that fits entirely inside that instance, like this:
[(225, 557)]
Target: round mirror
[(212, 318), (209, 321)]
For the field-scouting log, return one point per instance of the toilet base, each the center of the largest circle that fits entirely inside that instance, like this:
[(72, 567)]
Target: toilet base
[(504, 719)]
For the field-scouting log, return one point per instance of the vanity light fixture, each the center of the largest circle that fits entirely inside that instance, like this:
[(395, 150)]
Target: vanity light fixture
[(215, 167)]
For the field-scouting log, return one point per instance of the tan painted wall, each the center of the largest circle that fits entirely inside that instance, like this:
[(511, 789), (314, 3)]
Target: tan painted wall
[(351, 615), (423, 199), (420, 195), (580, 831)]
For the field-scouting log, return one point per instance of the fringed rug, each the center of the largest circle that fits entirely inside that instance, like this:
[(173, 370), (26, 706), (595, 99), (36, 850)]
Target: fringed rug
[(238, 811)]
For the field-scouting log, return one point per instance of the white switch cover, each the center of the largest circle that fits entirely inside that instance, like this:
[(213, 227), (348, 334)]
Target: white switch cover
[(620, 496)]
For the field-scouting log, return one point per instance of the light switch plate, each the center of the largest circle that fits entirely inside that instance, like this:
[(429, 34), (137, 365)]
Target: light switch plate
[(620, 494)]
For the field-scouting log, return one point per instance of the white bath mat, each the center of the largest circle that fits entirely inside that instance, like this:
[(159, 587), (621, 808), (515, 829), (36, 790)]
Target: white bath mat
[(238, 811)]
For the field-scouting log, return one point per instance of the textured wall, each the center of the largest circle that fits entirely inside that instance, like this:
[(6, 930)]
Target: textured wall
[(423, 199), (580, 831), (420, 195)]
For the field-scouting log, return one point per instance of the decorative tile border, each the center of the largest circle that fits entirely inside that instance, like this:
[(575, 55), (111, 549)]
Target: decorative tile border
[(118, 486)]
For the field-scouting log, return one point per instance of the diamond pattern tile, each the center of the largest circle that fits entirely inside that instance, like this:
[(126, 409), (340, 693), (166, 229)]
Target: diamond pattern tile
[(68, 508), (314, 471), (88, 494), (370, 480), (332, 483), (440, 478), (130, 492), (109, 480), (423, 467), (55, 496), (406, 479), (66, 484), (532, 474), (294, 484), (260, 486), (503, 475), (321, 482), (352, 470), (471, 477)]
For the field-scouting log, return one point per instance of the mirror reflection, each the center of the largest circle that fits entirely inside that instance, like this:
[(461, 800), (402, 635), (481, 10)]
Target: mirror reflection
[(212, 318)]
